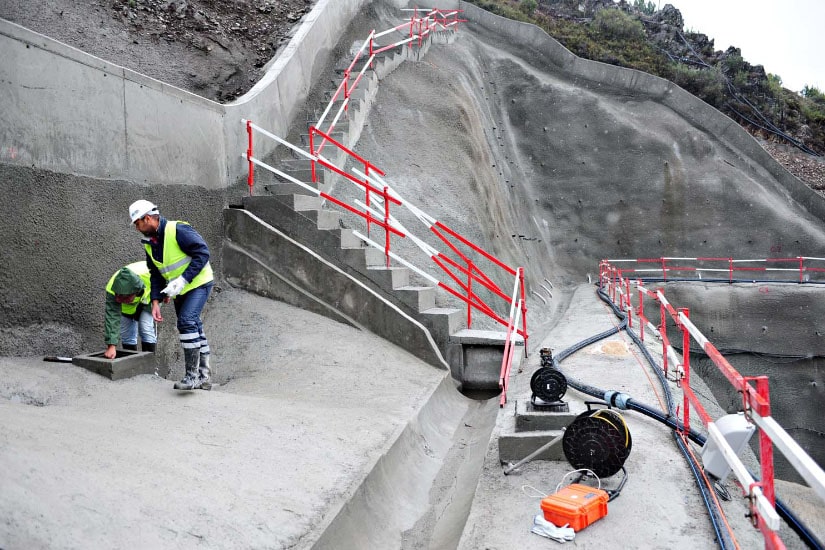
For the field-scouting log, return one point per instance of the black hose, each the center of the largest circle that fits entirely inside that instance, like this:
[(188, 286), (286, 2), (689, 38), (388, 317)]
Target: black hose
[(703, 489), (625, 402)]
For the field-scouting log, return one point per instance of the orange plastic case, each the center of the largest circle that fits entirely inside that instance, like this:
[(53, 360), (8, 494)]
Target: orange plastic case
[(575, 505)]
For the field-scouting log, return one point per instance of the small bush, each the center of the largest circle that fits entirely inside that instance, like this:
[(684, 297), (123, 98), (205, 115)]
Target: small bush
[(528, 6), (616, 24)]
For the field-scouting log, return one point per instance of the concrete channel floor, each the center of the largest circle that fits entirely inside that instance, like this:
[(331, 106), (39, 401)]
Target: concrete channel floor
[(306, 408), (660, 505), (305, 431)]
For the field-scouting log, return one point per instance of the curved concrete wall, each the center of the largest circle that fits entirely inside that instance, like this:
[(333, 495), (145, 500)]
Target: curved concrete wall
[(68, 111)]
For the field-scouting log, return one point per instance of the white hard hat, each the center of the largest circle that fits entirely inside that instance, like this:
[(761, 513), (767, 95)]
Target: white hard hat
[(140, 208)]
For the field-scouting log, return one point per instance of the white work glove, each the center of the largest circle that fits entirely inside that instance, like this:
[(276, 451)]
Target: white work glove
[(546, 529), (174, 287)]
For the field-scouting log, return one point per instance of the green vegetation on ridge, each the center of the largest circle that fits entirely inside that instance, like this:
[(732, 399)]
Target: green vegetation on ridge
[(638, 36)]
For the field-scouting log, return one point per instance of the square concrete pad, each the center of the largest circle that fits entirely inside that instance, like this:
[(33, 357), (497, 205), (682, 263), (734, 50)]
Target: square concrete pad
[(125, 364)]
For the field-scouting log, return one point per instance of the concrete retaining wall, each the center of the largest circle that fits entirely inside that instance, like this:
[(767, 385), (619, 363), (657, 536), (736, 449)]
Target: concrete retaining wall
[(71, 112)]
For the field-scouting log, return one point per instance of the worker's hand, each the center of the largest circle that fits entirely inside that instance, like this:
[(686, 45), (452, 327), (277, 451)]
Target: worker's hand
[(156, 311), (111, 351), (174, 287)]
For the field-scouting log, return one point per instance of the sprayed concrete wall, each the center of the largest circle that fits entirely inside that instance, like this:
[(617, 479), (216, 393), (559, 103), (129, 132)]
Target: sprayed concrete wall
[(763, 329), (81, 138), (70, 112)]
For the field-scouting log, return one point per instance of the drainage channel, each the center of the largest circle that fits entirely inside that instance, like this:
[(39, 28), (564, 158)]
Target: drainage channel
[(418, 494)]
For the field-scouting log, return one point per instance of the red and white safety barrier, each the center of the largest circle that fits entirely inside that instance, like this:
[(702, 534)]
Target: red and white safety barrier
[(417, 28), (756, 400), (799, 268)]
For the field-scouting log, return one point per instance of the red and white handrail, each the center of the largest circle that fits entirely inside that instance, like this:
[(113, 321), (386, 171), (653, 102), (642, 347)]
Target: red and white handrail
[(461, 274), (735, 269), (756, 400), (418, 29)]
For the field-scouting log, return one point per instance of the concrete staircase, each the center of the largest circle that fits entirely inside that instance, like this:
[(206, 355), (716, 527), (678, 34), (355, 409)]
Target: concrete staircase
[(295, 222)]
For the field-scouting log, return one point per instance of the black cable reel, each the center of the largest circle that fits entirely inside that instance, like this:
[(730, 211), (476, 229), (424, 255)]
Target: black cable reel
[(548, 384), (597, 440)]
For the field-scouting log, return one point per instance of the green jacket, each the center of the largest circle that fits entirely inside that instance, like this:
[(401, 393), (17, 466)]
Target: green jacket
[(131, 279)]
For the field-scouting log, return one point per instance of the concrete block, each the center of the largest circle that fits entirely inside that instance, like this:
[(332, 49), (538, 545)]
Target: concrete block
[(125, 364), (529, 419)]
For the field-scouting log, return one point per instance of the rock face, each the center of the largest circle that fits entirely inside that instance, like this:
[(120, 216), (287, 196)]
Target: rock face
[(669, 15)]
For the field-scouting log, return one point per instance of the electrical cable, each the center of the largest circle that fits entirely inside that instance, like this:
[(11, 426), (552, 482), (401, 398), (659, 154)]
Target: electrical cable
[(624, 401)]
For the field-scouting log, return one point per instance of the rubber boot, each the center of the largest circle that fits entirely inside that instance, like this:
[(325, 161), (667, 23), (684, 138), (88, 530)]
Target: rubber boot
[(130, 347), (204, 372), (145, 346), (190, 380)]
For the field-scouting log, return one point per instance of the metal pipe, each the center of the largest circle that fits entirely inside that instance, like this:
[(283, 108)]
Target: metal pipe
[(508, 470)]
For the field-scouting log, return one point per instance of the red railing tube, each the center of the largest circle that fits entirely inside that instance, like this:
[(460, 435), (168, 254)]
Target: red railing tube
[(312, 152), (469, 291), (766, 446), (523, 308), (686, 366), (250, 177), (387, 224)]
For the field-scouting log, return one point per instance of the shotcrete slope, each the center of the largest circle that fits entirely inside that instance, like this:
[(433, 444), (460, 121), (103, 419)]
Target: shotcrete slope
[(557, 172)]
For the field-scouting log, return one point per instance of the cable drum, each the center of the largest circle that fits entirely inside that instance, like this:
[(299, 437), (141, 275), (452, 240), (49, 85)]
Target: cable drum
[(597, 440), (548, 384)]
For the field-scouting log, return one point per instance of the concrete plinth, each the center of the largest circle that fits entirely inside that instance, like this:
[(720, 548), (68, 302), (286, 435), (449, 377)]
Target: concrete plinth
[(530, 419), (475, 357), (125, 364)]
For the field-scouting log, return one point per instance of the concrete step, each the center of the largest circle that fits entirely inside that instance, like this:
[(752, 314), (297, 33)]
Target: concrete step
[(364, 258), (349, 240), (279, 189), (444, 320), (324, 219), (300, 202), (389, 277), (419, 298), (336, 134)]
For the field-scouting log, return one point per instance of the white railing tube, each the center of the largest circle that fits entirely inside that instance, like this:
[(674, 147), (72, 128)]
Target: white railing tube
[(801, 461), (281, 141), (283, 175), (397, 258)]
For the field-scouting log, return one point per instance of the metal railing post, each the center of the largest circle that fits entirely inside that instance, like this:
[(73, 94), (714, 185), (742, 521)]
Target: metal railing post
[(685, 364), (312, 152), (250, 176), (765, 443), (387, 224), (523, 308)]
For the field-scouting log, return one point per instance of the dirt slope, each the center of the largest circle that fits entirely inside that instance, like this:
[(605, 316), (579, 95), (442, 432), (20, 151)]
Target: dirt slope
[(214, 48)]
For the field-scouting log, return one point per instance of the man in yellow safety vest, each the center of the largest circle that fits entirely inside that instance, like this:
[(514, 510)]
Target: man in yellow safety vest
[(178, 261), (128, 311)]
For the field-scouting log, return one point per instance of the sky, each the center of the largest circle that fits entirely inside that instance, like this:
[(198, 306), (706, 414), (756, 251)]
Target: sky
[(787, 37)]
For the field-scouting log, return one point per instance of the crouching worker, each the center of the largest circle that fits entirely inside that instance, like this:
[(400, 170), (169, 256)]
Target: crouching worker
[(178, 260), (128, 311)]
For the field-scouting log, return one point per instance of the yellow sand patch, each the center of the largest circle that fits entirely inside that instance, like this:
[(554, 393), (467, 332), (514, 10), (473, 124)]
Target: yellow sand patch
[(614, 347)]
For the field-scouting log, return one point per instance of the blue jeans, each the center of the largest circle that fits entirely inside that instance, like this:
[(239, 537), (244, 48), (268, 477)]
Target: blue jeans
[(145, 324), (188, 308)]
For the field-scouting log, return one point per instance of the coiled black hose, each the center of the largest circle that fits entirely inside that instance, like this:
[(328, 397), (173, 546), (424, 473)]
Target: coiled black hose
[(623, 401)]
